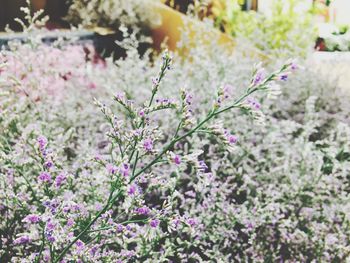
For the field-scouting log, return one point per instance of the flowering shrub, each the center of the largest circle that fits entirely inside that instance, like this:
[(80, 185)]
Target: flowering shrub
[(110, 13), (167, 174)]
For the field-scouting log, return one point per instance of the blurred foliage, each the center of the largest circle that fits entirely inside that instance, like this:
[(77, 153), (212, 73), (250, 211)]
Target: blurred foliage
[(288, 27)]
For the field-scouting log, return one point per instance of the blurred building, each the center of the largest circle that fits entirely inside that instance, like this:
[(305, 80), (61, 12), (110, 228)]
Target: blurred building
[(340, 12)]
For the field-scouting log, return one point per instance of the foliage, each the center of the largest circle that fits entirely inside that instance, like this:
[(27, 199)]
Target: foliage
[(171, 172), (287, 27)]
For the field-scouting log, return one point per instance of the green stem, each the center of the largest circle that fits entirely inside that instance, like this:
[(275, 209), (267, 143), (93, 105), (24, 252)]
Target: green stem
[(87, 227), (172, 143)]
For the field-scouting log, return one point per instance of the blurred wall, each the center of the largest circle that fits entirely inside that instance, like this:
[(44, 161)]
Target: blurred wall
[(340, 12)]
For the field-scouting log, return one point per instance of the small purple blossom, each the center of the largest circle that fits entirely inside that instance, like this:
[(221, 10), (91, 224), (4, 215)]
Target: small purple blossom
[(70, 222), (192, 222), (49, 164), (50, 226), (119, 228), (51, 238), (254, 104), (80, 246), (60, 179), (148, 145), (144, 210), (177, 159), (202, 167), (259, 76), (112, 169), (42, 141), (155, 81), (142, 113), (154, 223), (125, 169), (283, 77), (33, 219), (232, 139), (132, 189), (45, 177), (22, 240)]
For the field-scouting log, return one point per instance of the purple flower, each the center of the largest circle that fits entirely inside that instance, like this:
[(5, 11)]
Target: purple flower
[(175, 223), (120, 228), (254, 104), (111, 168), (21, 240), (284, 77), (142, 113), (148, 145), (33, 219), (50, 226), (154, 223), (42, 141), (143, 210), (125, 169), (202, 167), (192, 222), (259, 76), (60, 179), (51, 238), (232, 139), (45, 177), (177, 159), (70, 222), (132, 189), (226, 90), (80, 245), (49, 164), (155, 81)]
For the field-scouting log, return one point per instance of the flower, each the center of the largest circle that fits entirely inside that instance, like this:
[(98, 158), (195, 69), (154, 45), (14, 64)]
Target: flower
[(42, 141), (148, 145), (132, 189), (21, 240), (142, 113), (186, 107), (154, 223), (60, 179), (259, 76), (177, 159), (192, 222), (49, 164), (144, 210), (202, 167), (80, 246), (283, 77), (119, 228), (254, 103), (124, 169), (32, 218), (111, 168), (45, 177)]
